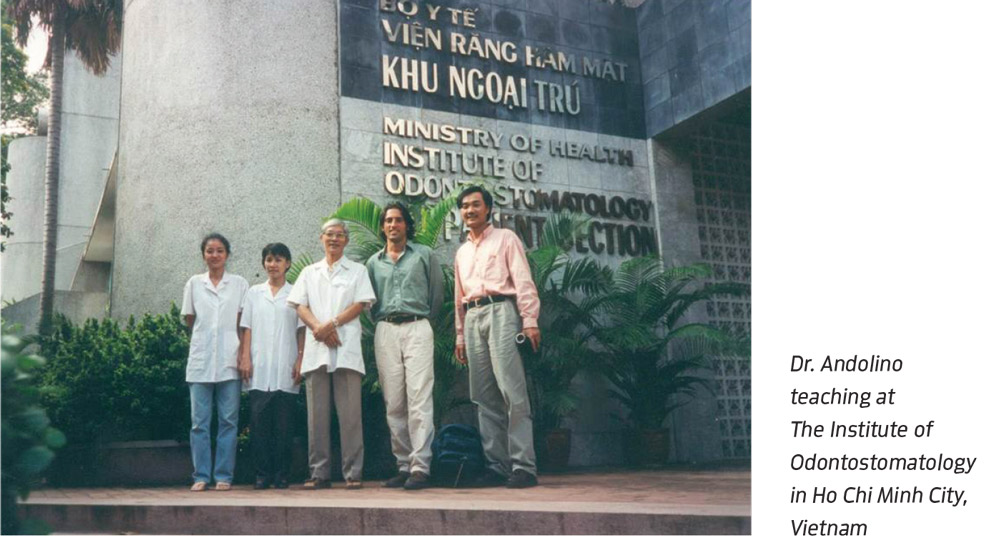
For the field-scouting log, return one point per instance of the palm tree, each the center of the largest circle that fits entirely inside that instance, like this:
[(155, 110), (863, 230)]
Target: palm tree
[(92, 28), (652, 357), (563, 282)]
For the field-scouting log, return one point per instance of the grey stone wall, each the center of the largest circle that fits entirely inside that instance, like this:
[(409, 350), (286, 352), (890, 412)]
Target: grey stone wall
[(694, 430), (363, 170), (703, 196), (22, 260), (229, 124), (583, 28), (76, 305), (694, 54)]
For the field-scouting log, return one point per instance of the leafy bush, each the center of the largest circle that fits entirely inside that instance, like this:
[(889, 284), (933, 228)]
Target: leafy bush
[(653, 356), (108, 383), (27, 440)]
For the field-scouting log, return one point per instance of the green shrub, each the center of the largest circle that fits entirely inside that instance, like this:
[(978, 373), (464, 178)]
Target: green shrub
[(110, 383), (28, 439)]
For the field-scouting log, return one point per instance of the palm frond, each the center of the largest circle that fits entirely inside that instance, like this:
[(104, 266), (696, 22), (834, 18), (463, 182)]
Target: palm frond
[(563, 229), (689, 272), (544, 261), (361, 211), (433, 221), (298, 265), (704, 293), (585, 275)]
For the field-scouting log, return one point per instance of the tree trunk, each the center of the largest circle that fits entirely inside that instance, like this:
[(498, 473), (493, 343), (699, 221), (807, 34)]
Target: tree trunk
[(58, 47)]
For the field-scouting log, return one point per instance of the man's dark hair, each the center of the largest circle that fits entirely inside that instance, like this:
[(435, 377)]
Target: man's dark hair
[(215, 236), (487, 197), (276, 249), (407, 218)]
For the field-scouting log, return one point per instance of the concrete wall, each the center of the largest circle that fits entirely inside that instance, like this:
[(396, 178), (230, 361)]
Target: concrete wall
[(695, 54), (22, 261), (77, 306), (228, 124), (694, 430), (88, 139)]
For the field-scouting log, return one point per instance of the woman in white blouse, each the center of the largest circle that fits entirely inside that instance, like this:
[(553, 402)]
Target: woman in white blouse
[(211, 309), (273, 339)]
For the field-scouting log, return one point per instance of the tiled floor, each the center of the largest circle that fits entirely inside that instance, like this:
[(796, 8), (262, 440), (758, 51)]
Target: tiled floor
[(650, 492)]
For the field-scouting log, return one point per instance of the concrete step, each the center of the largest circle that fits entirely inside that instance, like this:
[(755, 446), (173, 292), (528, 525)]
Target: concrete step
[(644, 502)]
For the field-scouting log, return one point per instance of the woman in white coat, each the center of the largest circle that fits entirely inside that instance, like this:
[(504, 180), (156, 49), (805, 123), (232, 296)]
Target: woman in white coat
[(273, 340), (211, 309)]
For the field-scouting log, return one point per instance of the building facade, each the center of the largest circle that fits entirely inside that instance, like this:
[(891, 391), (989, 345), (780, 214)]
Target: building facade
[(256, 119)]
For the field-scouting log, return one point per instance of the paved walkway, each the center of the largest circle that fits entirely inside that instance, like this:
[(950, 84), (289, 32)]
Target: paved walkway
[(662, 492)]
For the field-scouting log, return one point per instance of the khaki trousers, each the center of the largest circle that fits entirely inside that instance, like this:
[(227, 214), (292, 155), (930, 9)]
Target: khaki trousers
[(498, 388), (344, 386), (404, 354)]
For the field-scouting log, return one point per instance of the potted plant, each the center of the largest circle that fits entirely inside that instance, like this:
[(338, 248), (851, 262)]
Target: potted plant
[(652, 355), (566, 350)]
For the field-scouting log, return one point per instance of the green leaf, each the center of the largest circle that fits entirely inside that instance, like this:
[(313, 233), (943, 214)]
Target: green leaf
[(360, 211), (8, 366), (34, 526), (32, 420), (303, 261), (34, 460), (433, 221), (29, 363), (12, 343), (54, 438)]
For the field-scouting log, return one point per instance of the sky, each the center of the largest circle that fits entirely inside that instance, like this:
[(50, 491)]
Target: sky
[(38, 41)]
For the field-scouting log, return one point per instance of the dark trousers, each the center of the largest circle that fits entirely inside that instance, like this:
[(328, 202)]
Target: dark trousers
[(271, 433)]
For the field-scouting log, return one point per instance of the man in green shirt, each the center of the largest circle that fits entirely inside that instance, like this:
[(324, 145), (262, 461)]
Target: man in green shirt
[(409, 286)]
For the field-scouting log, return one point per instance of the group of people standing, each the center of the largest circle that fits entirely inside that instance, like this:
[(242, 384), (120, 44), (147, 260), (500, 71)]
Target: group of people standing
[(273, 336)]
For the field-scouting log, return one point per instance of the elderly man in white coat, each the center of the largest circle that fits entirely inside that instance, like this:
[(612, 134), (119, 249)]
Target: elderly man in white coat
[(329, 296)]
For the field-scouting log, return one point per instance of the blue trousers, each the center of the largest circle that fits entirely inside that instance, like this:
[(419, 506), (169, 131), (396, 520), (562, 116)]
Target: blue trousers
[(227, 402)]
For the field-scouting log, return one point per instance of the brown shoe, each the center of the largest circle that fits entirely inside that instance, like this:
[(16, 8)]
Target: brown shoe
[(489, 478), (353, 484), (223, 486), (397, 480), (522, 479), (199, 486), (417, 480), (316, 483)]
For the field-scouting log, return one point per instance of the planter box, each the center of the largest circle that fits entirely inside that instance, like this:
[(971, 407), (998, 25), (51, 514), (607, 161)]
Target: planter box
[(150, 462), (147, 463)]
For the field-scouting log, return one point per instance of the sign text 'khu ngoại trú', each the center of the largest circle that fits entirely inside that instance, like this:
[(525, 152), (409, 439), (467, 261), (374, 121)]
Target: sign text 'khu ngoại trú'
[(421, 158), (453, 30), (425, 168)]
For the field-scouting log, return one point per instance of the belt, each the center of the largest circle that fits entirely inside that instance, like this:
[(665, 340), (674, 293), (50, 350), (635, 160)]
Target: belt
[(402, 318), (483, 301)]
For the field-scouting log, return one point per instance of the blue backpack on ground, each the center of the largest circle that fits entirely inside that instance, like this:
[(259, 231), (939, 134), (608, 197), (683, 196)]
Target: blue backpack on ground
[(457, 453)]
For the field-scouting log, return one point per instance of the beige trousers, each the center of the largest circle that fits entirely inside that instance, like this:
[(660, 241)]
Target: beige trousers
[(404, 354), (498, 387), (344, 386)]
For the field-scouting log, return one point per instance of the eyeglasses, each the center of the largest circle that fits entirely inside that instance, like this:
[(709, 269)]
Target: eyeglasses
[(336, 235)]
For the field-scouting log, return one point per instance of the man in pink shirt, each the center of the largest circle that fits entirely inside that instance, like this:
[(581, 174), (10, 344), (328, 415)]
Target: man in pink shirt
[(496, 305)]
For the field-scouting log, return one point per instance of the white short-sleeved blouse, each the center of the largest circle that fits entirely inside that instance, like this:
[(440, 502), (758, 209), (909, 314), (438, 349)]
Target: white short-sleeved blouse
[(273, 349), (215, 342)]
